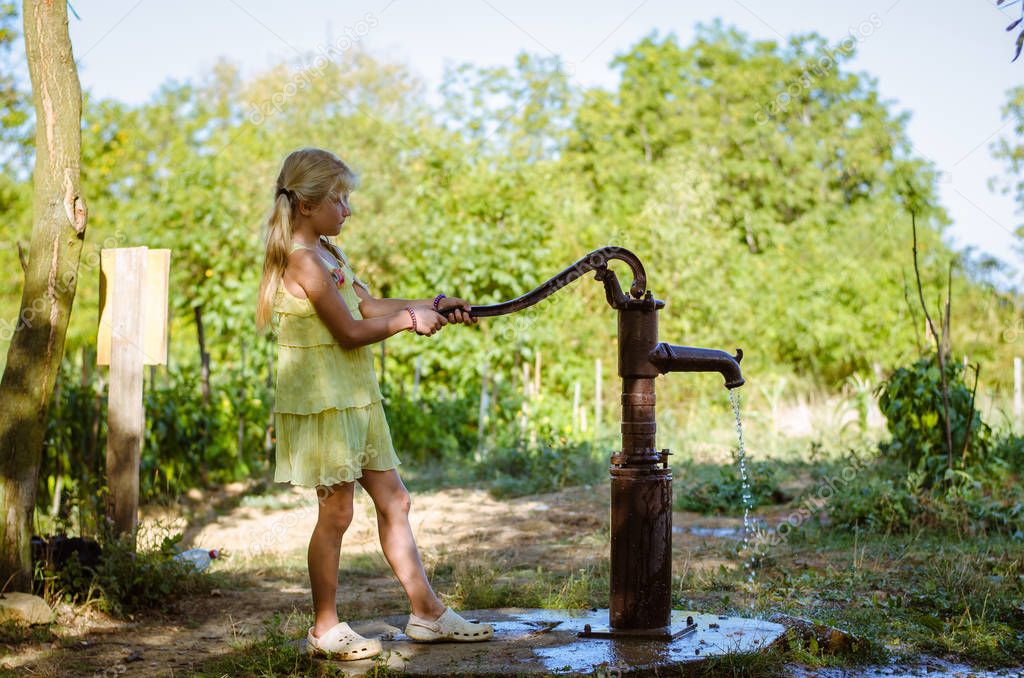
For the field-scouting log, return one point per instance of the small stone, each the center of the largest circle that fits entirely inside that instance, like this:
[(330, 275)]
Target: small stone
[(832, 639), (25, 608)]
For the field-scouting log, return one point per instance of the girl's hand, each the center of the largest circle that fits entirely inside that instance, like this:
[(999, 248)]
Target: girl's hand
[(461, 312), (428, 320)]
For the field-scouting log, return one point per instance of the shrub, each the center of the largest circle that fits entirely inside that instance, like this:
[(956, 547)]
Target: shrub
[(125, 579), (967, 506), (431, 429), (188, 441), (521, 469), (911, 400), (719, 489)]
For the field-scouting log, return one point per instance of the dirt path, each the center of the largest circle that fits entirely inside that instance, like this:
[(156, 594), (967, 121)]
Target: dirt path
[(264, 541)]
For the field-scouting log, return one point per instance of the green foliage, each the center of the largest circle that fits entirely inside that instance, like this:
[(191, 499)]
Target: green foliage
[(524, 469), (763, 213), (784, 212), (1019, 41), (194, 442), (15, 102), (912, 402), (189, 441), (719, 489), (1010, 149), (884, 502), (431, 430), (914, 487), (74, 450), (904, 595), (480, 586), (127, 580)]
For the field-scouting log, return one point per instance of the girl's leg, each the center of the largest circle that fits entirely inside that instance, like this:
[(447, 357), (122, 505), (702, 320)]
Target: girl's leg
[(391, 500), (334, 517)]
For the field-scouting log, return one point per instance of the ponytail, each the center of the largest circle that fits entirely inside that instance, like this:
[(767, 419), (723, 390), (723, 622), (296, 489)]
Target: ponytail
[(278, 245)]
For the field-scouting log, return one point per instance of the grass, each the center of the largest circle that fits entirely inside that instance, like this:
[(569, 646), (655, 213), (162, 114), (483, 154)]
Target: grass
[(274, 652), (904, 595), (479, 586), (770, 663), (899, 596)]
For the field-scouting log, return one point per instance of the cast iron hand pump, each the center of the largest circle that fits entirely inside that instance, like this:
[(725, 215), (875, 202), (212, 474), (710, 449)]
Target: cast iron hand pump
[(641, 481)]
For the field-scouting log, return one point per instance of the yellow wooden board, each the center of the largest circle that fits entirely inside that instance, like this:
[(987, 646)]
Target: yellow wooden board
[(154, 295)]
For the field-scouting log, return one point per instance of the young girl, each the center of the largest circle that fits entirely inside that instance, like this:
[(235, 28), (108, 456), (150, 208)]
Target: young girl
[(329, 419)]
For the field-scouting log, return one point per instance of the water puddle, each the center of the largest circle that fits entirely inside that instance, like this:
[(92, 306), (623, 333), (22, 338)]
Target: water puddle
[(719, 532)]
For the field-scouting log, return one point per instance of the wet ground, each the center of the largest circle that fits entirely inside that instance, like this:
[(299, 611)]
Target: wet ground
[(542, 642)]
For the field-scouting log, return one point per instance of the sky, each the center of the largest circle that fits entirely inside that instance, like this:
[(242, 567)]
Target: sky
[(947, 62)]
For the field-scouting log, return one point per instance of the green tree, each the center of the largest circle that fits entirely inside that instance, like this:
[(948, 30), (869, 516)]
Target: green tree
[(769, 186), (37, 345)]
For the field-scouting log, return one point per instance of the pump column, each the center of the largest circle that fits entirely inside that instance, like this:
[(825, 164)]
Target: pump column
[(641, 488)]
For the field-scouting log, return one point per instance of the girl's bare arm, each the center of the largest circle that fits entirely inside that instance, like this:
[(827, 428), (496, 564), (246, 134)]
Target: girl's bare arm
[(372, 307), (311, 273)]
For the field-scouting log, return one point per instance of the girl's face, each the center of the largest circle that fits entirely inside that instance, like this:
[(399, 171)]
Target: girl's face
[(327, 217)]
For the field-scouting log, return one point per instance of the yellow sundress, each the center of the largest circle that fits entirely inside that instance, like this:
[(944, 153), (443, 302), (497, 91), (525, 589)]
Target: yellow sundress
[(328, 410)]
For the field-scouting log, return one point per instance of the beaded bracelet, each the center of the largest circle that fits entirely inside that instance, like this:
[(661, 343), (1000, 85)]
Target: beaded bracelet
[(413, 314), (438, 298)]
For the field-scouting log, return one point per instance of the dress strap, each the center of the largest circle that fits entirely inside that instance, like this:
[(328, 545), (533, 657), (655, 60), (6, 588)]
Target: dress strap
[(333, 249), (329, 257)]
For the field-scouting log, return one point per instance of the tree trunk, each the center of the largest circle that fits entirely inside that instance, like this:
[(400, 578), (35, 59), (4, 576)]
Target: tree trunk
[(51, 277)]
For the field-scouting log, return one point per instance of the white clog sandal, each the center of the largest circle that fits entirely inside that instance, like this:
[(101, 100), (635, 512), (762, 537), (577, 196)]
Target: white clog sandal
[(449, 626), (341, 642)]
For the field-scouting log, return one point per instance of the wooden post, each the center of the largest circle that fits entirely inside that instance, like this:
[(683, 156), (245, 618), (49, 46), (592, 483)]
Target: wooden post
[(268, 436), (482, 415), (132, 333), (536, 376), (204, 356), (125, 410), (1016, 389), (90, 479), (242, 387), (416, 378), (525, 407), (576, 406), (204, 375)]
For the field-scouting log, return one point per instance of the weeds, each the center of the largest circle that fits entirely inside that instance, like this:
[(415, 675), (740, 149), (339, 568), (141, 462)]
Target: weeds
[(477, 585), (126, 579)]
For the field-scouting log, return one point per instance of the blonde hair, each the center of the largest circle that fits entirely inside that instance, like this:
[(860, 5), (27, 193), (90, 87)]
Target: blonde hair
[(310, 175)]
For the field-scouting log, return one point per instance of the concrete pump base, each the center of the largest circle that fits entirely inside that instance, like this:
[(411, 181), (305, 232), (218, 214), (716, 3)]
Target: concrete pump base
[(542, 642)]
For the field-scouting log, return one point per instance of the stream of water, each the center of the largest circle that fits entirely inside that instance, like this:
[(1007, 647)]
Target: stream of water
[(747, 497)]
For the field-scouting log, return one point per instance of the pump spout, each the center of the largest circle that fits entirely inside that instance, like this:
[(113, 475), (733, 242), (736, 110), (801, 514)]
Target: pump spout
[(669, 358)]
